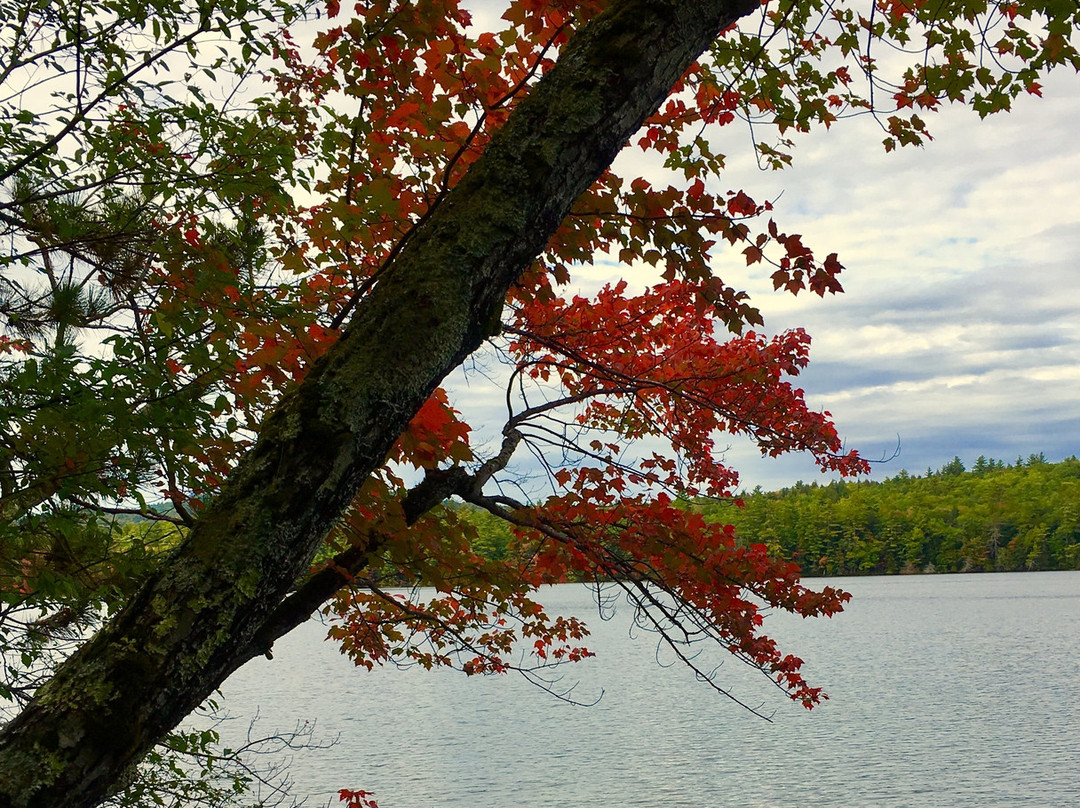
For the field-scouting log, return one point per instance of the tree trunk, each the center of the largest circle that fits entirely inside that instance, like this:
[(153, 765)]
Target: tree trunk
[(195, 620)]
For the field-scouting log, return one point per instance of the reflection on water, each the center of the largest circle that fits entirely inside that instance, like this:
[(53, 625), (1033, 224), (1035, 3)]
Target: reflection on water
[(945, 691)]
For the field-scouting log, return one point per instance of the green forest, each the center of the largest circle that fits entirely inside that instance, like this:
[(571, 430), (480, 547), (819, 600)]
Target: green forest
[(993, 517)]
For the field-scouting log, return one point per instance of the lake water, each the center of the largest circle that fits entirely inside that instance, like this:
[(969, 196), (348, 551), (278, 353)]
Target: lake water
[(953, 691)]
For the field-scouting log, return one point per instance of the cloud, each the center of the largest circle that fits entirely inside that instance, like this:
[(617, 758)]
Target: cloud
[(960, 327), (959, 330)]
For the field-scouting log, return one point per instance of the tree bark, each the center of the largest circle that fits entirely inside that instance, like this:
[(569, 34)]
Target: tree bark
[(196, 619)]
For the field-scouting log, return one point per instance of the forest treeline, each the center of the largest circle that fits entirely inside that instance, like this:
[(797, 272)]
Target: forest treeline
[(994, 516)]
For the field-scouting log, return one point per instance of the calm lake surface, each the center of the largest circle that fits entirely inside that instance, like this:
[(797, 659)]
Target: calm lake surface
[(953, 691)]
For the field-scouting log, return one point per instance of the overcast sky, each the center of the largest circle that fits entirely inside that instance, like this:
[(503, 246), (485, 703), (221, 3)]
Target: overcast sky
[(959, 331)]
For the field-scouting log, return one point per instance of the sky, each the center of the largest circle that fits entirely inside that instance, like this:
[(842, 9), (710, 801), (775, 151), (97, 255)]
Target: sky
[(959, 330), (958, 334)]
